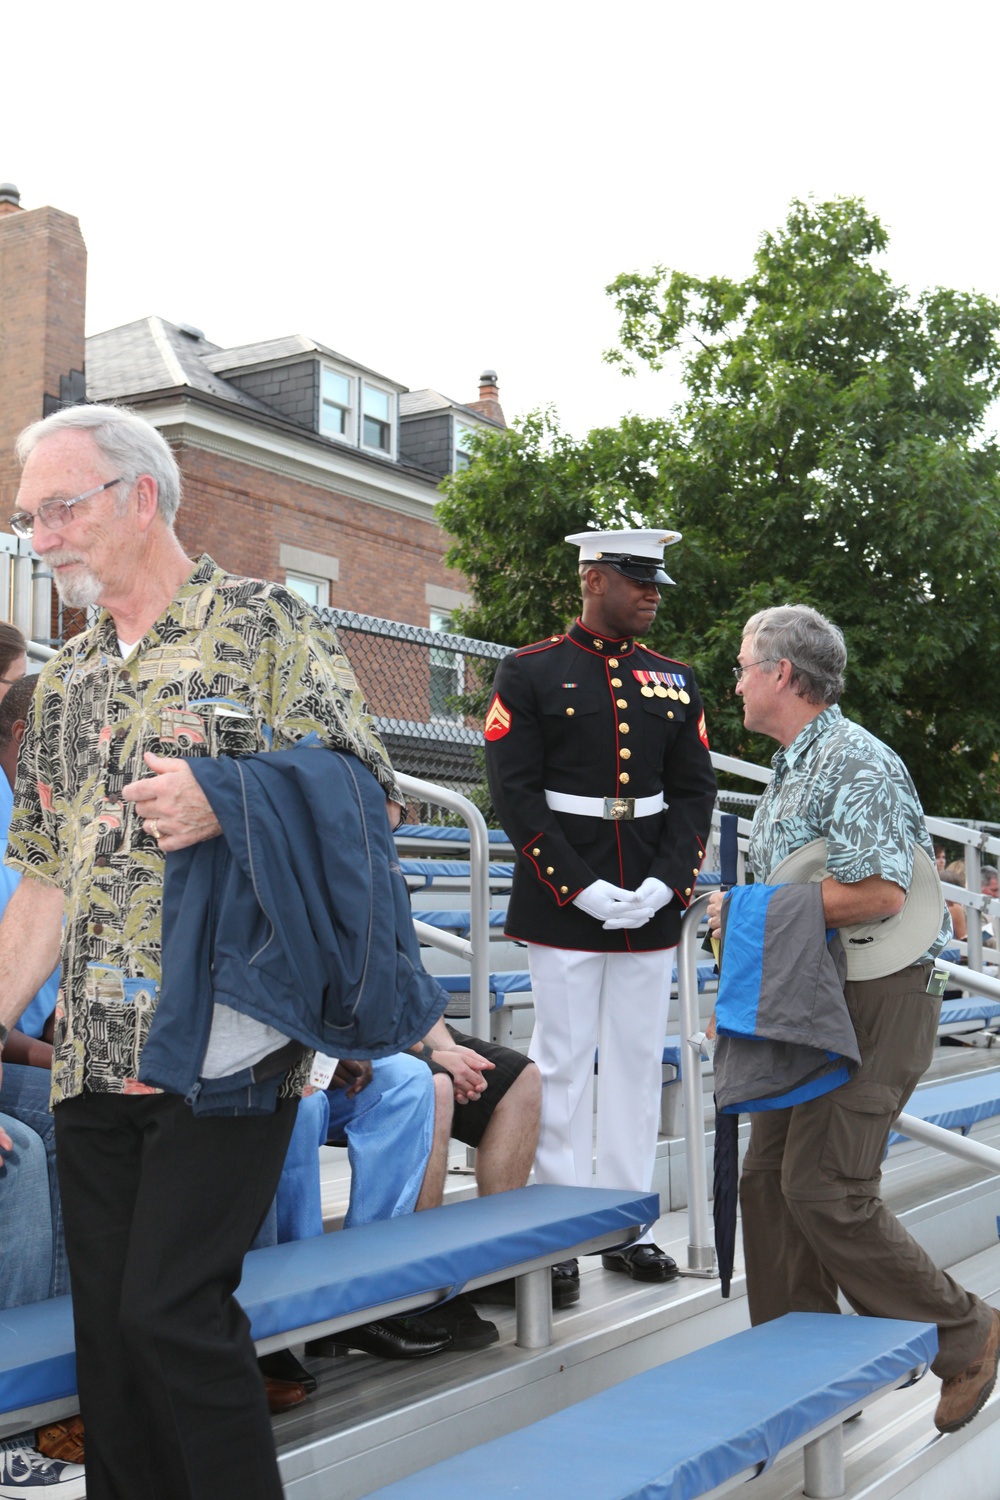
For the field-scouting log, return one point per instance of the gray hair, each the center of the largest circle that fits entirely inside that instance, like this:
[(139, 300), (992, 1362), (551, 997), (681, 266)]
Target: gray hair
[(130, 444), (813, 644)]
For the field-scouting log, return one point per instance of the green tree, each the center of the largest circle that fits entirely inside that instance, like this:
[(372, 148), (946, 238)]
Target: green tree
[(830, 449)]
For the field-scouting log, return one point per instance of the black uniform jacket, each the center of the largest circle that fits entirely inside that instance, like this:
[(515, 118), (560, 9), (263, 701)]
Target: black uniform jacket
[(603, 719)]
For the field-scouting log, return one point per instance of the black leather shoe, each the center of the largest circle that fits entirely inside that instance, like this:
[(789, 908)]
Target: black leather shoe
[(459, 1319), (641, 1262), (391, 1338), (565, 1288)]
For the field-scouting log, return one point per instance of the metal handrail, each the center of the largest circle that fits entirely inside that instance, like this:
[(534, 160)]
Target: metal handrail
[(476, 948), (701, 1249)]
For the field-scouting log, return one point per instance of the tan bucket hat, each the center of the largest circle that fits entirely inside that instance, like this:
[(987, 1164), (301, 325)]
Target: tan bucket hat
[(877, 948)]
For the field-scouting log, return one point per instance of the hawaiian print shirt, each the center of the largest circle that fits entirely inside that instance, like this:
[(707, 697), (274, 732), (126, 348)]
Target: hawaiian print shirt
[(837, 782), (232, 667)]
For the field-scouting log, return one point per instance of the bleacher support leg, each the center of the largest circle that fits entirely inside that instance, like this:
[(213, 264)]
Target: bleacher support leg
[(534, 1309), (824, 1465)]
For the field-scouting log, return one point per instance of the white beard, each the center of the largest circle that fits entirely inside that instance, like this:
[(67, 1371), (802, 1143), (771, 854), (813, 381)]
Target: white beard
[(81, 590)]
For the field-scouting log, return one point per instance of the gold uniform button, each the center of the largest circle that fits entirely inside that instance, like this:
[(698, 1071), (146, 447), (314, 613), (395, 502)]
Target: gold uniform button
[(625, 754), (669, 714), (564, 890), (536, 851), (570, 712), (621, 702), (612, 661), (549, 870), (553, 638), (687, 890), (616, 682), (623, 778), (623, 729)]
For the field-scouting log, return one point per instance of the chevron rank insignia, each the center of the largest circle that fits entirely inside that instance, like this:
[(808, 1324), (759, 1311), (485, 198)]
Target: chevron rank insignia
[(703, 731), (497, 720)]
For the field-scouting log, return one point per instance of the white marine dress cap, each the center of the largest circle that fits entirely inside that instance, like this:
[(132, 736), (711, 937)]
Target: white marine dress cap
[(634, 554)]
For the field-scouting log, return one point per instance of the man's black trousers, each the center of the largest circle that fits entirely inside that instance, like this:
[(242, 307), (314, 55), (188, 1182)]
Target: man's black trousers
[(160, 1207)]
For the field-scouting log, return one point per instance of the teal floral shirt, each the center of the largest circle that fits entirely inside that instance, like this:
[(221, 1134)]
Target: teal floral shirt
[(837, 782)]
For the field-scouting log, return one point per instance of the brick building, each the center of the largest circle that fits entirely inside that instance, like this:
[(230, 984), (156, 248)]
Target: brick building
[(299, 464)]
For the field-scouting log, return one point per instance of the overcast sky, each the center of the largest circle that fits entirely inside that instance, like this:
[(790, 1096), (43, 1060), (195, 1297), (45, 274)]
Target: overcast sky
[(436, 189)]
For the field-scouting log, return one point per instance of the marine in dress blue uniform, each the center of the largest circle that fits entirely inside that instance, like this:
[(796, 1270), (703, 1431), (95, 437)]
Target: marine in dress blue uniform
[(599, 767)]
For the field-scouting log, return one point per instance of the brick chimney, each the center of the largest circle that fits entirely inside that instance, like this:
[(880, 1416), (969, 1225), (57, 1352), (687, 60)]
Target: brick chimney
[(489, 398), (43, 284)]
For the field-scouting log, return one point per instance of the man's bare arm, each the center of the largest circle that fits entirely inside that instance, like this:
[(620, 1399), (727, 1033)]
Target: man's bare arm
[(868, 900), (30, 934)]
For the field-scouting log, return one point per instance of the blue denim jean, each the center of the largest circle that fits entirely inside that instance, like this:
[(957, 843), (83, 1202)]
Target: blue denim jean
[(24, 1094), (389, 1128), (25, 1218)]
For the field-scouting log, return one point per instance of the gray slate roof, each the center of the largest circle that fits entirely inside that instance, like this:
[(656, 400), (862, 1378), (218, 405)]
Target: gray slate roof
[(274, 351), (154, 355), (422, 403)]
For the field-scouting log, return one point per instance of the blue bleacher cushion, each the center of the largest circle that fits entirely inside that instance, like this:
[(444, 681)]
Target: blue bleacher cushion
[(433, 832), (289, 1286), (37, 1358), (682, 1429), (957, 1104)]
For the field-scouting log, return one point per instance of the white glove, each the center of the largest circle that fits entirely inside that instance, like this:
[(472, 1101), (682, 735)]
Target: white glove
[(631, 916), (602, 900), (654, 893)]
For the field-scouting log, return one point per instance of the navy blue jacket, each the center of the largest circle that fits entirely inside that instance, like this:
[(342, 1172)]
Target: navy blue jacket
[(297, 915)]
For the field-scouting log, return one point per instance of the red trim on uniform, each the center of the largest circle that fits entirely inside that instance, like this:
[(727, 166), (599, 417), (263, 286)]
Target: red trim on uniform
[(561, 900), (539, 646)]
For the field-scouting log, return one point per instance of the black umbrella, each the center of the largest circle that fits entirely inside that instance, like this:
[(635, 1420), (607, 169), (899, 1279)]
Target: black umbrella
[(725, 1194)]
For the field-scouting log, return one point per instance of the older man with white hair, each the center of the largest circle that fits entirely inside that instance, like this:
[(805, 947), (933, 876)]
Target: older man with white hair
[(160, 1203)]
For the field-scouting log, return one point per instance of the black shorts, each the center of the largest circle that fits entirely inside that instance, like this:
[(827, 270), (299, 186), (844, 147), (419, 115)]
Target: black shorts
[(470, 1120)]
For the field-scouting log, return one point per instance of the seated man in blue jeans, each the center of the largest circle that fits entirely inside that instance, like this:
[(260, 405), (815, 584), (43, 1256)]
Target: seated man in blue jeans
[(25, 1269), (397, 1117)]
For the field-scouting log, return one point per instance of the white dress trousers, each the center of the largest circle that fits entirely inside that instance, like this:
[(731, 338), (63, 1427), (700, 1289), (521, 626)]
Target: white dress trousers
[(616, 1004)]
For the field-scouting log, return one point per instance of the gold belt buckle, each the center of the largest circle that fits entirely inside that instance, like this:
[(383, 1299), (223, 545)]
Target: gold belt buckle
[(619, 808)]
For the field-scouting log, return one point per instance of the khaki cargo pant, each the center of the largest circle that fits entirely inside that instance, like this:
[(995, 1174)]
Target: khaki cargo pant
[(813, 1219)]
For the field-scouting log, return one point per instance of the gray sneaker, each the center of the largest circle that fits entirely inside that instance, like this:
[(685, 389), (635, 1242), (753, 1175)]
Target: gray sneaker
[(25, 1471)]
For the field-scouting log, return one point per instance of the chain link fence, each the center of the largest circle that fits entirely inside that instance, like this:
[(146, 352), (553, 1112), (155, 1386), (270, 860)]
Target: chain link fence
[(428, 691)]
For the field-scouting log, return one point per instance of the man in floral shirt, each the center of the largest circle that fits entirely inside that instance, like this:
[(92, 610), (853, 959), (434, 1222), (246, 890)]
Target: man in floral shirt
[(160, 1206), (813, 1218)]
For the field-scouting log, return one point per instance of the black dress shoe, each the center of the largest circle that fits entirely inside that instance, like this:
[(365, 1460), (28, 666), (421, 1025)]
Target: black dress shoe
[(282, 1365), (641, 1262), (459, 1319), (390, 1338), (565, 1288)]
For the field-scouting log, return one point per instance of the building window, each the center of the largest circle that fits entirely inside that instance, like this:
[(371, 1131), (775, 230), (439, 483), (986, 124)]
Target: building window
[(463, 457), (447, 675), (335, 404), (315, 591), (376, 416)]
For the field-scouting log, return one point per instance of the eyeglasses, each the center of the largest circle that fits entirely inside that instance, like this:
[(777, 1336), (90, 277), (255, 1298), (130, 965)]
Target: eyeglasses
[(53, 514), (761, 661)]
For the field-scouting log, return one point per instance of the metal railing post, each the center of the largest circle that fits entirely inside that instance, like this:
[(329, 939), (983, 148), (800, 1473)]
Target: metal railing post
[(973, 883), (479, 892), (701, 1249)]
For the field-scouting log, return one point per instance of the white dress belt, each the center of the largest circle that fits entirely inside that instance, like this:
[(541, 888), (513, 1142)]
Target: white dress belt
[(614, 808)]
